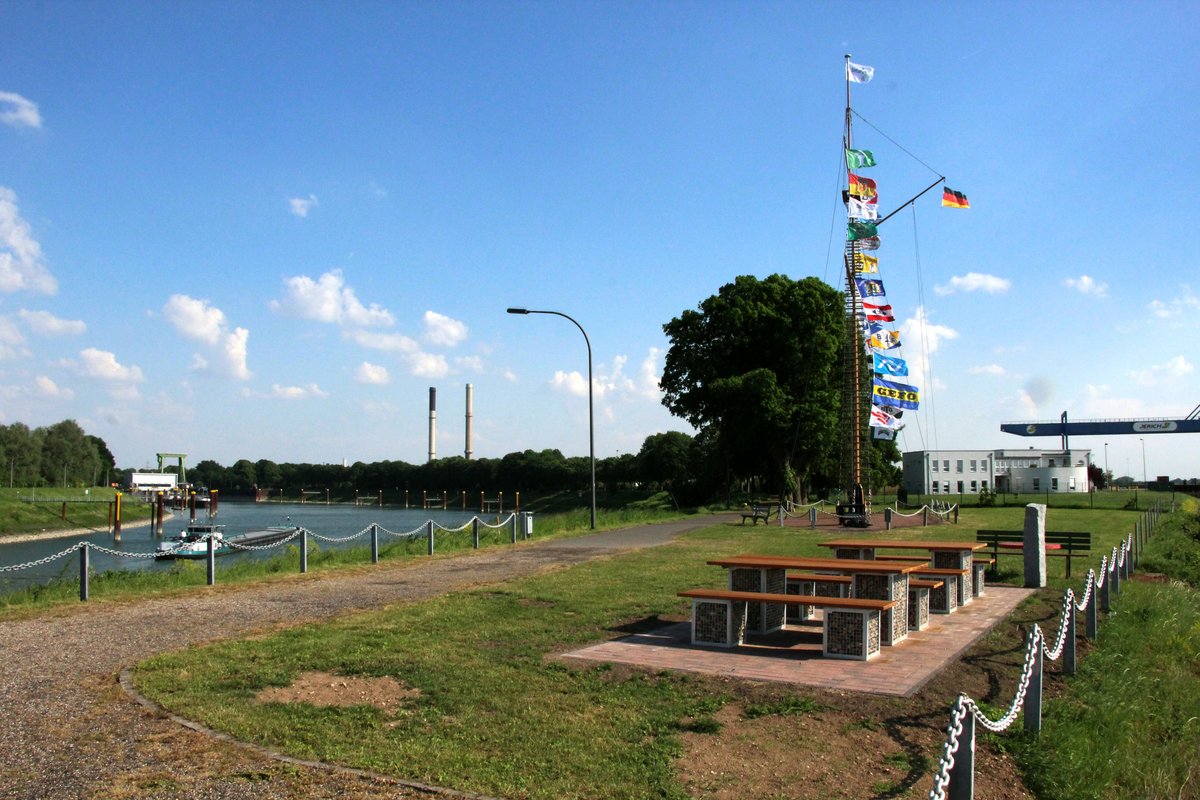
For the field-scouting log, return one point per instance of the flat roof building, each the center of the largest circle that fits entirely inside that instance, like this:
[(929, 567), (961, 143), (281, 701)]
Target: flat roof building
[(1005, 470)]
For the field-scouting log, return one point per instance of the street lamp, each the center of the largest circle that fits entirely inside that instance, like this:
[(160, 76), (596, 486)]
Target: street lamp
[(591, 423), (1143, 441)]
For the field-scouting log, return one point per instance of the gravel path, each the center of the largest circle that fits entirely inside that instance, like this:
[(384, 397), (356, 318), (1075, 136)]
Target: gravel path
[(67, 729)]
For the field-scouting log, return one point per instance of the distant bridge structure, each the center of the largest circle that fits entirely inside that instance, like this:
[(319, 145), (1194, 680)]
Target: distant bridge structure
[(1104, 427)]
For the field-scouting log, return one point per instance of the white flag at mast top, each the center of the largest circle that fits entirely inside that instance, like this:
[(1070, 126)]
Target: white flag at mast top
[(859, 73)]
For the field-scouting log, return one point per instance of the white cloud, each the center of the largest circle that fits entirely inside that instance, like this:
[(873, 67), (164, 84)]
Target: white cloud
[(300, 206), (986, 369), (444, 331), (373, 374), (428, 365), (570, 382), (200, 322), (103, 365), (46, 324), (297, 392), (1177, 367), (649, 375), (12, 341), (922, 338), (974, 282), (1085, 284), (21, 263), (18, 111), (48, 388), (509, 376), (328, 299)]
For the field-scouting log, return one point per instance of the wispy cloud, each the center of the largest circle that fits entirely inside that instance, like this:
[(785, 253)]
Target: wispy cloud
[(46, 387), (46, 324), (300, 206), (1185, 301), (199, 321), (974, 282), (18, 111), (1086, 284), (921, 338), (12, 341), (297, 392), (1155, 375), (986, 369), (22, 266), (329, 299)]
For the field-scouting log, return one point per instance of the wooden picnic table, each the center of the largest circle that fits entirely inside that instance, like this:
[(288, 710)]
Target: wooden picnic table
[(874, 580), (943, 555)]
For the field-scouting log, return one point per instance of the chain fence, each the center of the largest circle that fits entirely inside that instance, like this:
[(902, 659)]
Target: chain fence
[(209, 545), (954, 778)]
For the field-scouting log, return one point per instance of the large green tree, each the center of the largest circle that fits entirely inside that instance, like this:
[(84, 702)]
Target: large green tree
[(757, 367)]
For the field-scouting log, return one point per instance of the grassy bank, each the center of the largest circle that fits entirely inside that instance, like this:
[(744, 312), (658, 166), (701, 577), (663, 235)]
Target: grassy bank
[(50, 509), (490, 709)]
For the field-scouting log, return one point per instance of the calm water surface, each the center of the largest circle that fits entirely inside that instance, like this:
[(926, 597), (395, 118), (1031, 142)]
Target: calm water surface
[(332, 521)]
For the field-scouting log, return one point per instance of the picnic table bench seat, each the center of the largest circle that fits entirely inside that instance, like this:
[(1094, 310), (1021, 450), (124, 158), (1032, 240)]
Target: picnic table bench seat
[(814, 583), (950, 595), (918, 601), (852, 626)]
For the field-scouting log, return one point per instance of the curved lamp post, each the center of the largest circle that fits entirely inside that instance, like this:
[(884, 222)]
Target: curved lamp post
[(591, 423)]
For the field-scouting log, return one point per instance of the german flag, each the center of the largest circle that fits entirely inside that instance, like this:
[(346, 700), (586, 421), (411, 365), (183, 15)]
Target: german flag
[(954, 199)]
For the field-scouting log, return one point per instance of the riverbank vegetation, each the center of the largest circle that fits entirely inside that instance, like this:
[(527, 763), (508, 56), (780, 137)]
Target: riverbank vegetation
[(471, 661)]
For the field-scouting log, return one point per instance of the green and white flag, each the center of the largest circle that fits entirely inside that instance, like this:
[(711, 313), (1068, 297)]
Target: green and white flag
[(857, 231), (857, 159)]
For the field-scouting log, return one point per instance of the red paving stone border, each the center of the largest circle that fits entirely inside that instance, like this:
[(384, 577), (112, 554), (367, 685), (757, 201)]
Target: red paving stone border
[(794, 654)]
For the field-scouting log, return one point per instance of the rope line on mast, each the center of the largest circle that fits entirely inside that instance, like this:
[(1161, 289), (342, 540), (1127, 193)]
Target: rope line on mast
[(893, 141), (927, 372)]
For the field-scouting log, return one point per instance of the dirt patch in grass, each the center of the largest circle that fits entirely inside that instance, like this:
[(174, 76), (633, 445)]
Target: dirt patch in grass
[(324, 689)]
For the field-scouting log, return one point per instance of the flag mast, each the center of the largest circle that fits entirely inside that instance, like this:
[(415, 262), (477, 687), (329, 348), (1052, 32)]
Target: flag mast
[(855, 510)]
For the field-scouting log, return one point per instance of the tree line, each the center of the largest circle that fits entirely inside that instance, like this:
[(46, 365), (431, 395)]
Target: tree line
[(59, 455)]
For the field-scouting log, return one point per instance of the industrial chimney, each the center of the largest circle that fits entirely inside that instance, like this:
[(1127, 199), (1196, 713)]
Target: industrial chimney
[(432, 423), (468, 422)]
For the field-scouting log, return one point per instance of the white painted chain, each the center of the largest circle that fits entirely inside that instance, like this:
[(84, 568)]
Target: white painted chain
[(46, 560), (336, 539), (414, 533), (1087, 591), (1036, 641), (442, 527), (278, 543), (1068, 608), (1102, 576), (946, 763), (122, 553), (500, 524)]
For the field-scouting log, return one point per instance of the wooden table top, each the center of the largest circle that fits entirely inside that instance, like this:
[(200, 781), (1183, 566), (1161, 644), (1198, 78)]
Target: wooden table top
[(807, 562), (903, 544)]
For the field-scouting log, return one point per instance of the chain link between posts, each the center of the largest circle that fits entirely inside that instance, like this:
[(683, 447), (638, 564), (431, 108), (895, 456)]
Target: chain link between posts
[(1036, 645)]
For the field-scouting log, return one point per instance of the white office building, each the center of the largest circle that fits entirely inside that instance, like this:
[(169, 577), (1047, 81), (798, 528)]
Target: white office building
[(1015, 471)]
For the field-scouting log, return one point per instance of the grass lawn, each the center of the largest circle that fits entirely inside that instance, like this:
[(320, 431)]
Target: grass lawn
[(37, 510), (490, 710)]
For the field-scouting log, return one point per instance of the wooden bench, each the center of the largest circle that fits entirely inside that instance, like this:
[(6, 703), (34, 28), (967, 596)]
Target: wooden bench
[(950, 595), (903, 559), (852, 626), (1064, 544), (762, 511), (918, 601)]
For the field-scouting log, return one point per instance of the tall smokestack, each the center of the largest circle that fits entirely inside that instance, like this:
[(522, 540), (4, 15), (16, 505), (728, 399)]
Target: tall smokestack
[(468, 422), (432, 423)]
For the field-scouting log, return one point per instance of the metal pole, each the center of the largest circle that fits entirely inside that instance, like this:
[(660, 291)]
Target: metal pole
[(1090, 620), (84, 591), (475, 531), (591, 417), (1069, 648), (374, 543), (962, 775), (303, 550), (1033, 695), (429, 535), (211, 557)]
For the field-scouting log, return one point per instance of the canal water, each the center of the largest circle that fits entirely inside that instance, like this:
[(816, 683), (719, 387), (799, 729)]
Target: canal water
[(334, 521)]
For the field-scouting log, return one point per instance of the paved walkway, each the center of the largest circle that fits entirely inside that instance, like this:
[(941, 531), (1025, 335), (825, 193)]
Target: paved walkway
[(794, 654)]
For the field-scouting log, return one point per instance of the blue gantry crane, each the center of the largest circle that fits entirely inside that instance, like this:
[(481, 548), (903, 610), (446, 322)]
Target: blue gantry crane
[(1104, 427)]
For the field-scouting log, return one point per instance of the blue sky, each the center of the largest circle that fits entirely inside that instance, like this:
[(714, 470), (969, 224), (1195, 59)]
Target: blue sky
[(264, 230)]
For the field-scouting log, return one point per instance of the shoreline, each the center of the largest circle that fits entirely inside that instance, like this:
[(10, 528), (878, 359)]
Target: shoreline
[(68, 532)]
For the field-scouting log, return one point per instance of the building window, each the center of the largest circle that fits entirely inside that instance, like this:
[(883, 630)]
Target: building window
[(960, 487), (973, 464), (946, 465), (934, 487), (1054, 484), (1052, 462), (984, 485), (1037, 484), (1071, 483), (935, 469), (959, 464), (983, 465), (974, 487), (946, 487)]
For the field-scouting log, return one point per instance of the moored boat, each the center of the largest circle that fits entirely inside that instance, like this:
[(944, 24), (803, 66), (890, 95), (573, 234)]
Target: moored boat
[(192, 542)]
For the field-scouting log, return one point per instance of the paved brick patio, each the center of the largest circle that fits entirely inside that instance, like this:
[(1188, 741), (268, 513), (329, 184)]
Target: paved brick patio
[(793, 655)]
